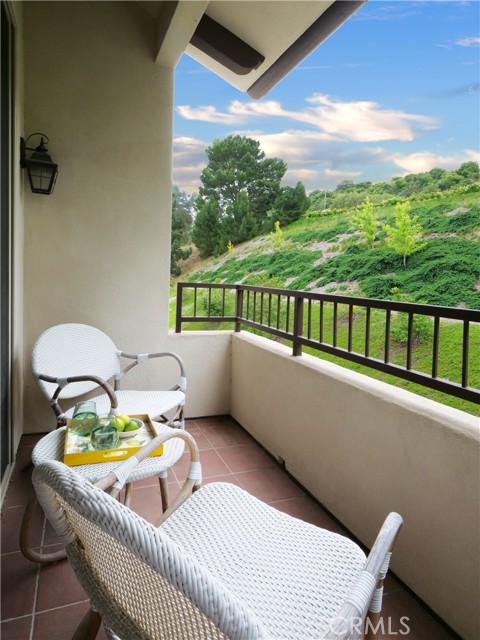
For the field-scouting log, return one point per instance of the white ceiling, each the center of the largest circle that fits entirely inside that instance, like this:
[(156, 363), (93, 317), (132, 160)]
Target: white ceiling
[(270, 27)]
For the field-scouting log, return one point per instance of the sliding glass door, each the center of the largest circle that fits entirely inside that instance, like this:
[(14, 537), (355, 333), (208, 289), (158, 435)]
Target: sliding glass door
[(5, 232)]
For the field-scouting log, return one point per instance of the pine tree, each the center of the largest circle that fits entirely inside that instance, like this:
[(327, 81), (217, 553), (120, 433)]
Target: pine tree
[(290, 204), (206, 228), (235, 165)]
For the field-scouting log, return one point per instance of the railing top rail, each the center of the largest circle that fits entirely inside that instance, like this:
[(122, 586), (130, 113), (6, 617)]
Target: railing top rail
[(206, 285), (455, 313), (296, 327)]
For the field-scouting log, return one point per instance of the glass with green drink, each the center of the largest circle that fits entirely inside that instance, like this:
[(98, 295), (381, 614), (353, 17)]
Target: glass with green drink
[(84, 418), (105, 433)]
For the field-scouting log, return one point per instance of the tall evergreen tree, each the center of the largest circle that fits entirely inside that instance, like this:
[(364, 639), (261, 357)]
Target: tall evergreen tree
[(290, 204), (182, 207), (245, 223), (206, 231), (237, 164)]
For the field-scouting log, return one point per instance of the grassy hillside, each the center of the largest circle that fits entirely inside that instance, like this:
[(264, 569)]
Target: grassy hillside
[(324, 253)]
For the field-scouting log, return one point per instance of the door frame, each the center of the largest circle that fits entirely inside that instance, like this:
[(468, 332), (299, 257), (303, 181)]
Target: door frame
[(6, 237)]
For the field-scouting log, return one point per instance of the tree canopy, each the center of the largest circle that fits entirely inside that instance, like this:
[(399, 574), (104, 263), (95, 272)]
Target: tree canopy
[(350, 194), (206, 233), (290, 204), (243, 183), (182, 217), (404, 236)]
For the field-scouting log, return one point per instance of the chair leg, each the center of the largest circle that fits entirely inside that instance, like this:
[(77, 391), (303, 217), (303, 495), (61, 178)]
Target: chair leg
[(88, 627), (164, 493), (128, 494), (25, 546)]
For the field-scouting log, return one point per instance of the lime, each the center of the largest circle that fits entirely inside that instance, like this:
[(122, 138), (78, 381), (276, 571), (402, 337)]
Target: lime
[(120, 424), (133, 426)]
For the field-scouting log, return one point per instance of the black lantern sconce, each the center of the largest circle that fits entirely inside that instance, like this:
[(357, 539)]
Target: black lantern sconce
[(41, 170)]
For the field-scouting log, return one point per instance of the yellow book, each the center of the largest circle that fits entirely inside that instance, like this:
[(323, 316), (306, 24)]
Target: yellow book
[(79, 449)]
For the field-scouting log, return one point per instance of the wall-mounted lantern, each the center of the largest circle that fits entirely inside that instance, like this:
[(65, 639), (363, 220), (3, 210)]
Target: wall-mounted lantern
[(42, 171)]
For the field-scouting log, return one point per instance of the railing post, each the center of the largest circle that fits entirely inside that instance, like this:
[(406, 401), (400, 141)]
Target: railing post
[(178, 309), (297, 326), (239, 309)]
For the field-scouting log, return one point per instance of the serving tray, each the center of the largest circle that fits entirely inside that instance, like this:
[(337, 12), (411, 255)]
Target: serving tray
[(79, 449)]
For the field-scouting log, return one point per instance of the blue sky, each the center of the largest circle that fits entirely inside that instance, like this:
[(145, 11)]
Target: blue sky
[(394, 91)]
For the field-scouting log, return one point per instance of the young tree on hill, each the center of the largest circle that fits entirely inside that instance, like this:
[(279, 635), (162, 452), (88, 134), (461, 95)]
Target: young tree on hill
[(276, 236), (366, 222), (206, 233), (404, 236), (237, 164)]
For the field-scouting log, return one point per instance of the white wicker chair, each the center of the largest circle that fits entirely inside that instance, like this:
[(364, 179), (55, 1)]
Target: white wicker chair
[(51, 447), (221, 564), (70, 360)]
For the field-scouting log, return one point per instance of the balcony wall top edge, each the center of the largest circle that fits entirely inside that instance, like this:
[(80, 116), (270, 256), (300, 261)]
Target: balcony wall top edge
[(463, 423)]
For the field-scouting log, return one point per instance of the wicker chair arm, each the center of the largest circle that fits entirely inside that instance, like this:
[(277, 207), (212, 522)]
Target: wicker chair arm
[(63, 382), (141, 357), (346, 625), (115, 480)]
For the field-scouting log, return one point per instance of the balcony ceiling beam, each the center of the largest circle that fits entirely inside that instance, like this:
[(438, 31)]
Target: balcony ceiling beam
[(225, 47), (176, 25)]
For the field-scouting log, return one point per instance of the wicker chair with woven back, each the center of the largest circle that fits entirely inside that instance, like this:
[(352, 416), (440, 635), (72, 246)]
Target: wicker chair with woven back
[(71, 360), (220, 564)]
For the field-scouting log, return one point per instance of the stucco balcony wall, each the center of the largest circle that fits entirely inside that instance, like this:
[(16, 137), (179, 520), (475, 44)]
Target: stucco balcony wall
[(364, 448), (208, 362)]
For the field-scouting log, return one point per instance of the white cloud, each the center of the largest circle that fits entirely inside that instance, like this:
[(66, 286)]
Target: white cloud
[(184, 144), (358, 121), (189, 159), (307, 176), (297, 147), (426, 160), (468, 42), (366, 121), (314, 158), (338, 174), (307, 154), (208, 113)]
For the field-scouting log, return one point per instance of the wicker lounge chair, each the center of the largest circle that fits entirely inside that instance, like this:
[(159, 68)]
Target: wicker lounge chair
[(221, 564), (70, 360)]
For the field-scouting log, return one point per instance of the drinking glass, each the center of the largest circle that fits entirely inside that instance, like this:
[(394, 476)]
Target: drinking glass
[(105, 434), (84, 418)]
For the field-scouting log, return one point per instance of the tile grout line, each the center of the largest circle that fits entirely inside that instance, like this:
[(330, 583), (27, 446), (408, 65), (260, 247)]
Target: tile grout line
[(37, 580), (226, 464), (35, 599), (26, 615)]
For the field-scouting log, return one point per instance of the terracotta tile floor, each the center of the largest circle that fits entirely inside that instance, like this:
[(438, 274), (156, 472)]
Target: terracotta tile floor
[(46, 603)]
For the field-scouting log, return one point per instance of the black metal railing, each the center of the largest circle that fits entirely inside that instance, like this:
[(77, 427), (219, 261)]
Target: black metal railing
[(341, 326)]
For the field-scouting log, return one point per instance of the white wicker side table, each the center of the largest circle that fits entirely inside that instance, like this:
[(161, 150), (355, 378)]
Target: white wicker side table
[(51, 447)]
